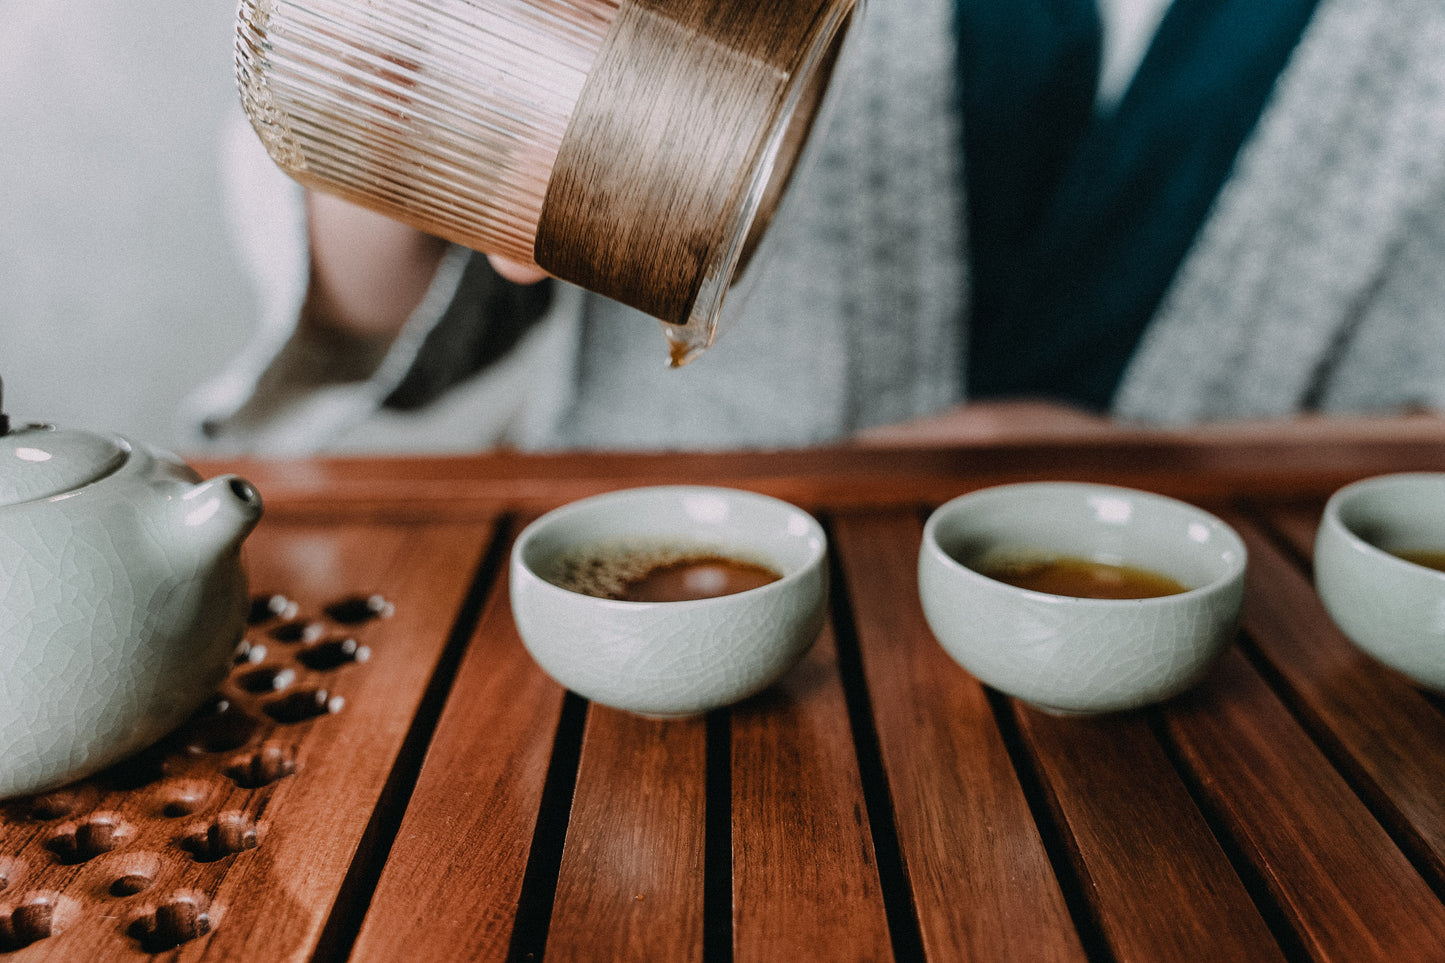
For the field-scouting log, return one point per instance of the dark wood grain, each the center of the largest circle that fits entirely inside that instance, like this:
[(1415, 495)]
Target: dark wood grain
[(981, 879), (1155, 877), (878, 801), (257, 860), (631, 880), (454, 872), (1177, 464), (1336, 878), (805, 874), (1377, 726)]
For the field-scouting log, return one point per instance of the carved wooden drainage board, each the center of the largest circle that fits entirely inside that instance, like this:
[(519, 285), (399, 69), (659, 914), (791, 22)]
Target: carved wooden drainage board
[(275, 779)]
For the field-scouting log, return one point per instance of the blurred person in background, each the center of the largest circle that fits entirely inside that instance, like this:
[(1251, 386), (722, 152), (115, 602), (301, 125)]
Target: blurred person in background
[(1166, 212)]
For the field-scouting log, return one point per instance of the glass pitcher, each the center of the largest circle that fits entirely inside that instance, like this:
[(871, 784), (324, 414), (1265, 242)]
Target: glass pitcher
[(637, 148)]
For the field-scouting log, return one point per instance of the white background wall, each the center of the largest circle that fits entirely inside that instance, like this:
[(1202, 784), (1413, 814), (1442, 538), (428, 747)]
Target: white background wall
[(119, 287)]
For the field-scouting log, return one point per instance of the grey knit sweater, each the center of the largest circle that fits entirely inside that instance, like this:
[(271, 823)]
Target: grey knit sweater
[(1318, 281)]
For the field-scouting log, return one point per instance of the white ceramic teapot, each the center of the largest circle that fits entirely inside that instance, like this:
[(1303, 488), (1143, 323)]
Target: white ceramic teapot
[(122, 598)]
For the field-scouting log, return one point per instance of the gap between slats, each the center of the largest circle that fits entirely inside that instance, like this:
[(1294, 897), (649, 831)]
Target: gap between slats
[(1427, 859), (903, 927), (544, 863), (1274, 918), (354, 897), (540, 882), (544, 860), (717, 879), (1055, 836)]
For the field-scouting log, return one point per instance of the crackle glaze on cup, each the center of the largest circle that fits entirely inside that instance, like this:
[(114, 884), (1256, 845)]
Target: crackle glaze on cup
[(1392, 609), (1081, 655), (673, 658), (122, 598)]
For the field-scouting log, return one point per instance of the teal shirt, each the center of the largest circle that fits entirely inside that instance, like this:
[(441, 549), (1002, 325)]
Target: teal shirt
[(1078, 220)]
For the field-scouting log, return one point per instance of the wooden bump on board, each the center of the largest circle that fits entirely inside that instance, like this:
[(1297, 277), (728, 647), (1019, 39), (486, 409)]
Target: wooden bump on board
[(304, 705), (273, 678), (132, 874), (177, 919), (32, 918), (223, 726), (265, 608), (332, 654), (298, 631), (182, 798), (672, 128), (270, 763), (229, 833), (96, 835), (356, 609)]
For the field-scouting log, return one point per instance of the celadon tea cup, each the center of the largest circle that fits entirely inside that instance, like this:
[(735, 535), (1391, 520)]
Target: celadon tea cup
[(1075, 655), (1390, 607), (669, 658)]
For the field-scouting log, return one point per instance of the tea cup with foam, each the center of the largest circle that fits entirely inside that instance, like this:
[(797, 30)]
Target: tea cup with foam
[(669, 658), (1390, 607), (1065, 653)]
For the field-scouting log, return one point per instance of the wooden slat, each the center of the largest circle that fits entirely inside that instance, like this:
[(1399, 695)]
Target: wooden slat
[(805, 875), (1338, 880), (267, 896), (1295, 520), (631, 882), (1160, 886), (1377, 725), (981, 880), (454, 874), (1186, 464)]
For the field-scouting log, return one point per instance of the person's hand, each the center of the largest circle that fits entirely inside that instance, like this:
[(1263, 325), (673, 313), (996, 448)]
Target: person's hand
[(515, 271), (369, 272)]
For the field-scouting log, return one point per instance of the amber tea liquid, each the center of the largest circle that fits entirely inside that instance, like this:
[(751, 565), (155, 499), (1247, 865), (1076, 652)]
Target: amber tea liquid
[(1428, 557), (659, 574), (1080, 577)]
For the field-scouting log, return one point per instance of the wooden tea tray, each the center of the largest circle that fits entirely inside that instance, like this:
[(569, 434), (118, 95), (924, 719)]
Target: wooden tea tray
[(239, 833), (878, 803)]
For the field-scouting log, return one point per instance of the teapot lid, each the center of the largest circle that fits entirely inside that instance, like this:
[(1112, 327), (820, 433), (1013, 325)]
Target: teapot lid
[(38, 461)]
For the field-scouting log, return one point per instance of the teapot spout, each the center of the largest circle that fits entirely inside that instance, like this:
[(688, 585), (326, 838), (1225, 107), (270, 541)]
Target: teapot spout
[(221, 512)]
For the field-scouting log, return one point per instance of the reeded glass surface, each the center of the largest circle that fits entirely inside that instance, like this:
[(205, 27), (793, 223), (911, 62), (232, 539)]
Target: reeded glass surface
[(450, 115), (445, 114)]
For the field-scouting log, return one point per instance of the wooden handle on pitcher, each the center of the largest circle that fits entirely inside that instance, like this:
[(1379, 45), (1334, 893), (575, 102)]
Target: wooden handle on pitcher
[(663, 175)]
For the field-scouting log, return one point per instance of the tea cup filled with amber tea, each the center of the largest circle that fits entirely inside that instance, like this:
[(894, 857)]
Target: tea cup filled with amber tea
[(1378, 557), (1081, 598), (670, 600)]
